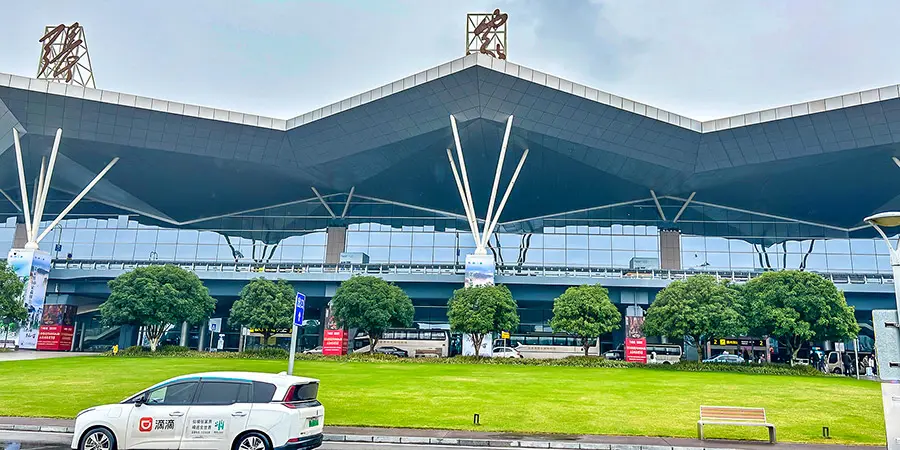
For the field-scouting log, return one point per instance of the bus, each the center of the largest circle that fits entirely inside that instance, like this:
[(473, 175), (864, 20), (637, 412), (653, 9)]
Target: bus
[(548, 346), (656, 353), (419, 343)]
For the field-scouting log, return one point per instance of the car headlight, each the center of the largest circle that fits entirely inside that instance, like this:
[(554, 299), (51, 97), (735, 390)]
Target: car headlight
[(85, 411)]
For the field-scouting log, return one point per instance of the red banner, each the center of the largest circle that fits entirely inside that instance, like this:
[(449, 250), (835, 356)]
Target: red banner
[(335, 342), (55, 337), (636, 350), (635, 342)]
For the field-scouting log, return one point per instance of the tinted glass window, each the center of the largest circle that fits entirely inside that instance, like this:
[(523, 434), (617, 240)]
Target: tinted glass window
[(244, 393), (173, 394), (304, 392), (218, 393), (263, 392)]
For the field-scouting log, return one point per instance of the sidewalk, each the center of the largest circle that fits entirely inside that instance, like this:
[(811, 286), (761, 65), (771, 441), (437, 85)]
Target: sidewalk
[(487, 439), (21, 355)]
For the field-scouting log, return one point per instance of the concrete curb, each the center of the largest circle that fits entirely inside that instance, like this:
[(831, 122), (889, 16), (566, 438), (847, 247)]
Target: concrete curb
[(420, 440), (498, 443), (37, 428)]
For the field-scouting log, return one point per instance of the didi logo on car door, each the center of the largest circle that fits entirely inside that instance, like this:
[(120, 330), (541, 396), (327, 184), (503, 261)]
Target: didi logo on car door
[(145, 424)]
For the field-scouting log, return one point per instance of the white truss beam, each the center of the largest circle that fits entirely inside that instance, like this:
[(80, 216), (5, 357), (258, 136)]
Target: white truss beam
[(319, 196), (74, 202), (347, 205), (683, 207), (662, 215)]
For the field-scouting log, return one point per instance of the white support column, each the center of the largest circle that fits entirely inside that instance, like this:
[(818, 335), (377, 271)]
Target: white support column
[(22, 187), (465, 179), (487, 219), (37, 188), (506, 195), (683, 207), (319, 196), (45, 185), (658, 207), (470, 214), (76, 200)]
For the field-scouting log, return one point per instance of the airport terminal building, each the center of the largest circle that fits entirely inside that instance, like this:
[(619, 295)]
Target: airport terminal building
[(614, 191)]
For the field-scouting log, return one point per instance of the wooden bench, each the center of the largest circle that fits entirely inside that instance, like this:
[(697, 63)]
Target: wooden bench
[(736, 416)]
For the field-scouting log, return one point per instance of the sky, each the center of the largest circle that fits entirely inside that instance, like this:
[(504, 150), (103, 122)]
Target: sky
[(698, 58)]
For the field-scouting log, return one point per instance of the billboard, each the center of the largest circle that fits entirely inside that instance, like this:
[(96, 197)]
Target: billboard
[(479, 270), (57, 328), (335, 340), (486, 349), (635, 342), (33, 268)]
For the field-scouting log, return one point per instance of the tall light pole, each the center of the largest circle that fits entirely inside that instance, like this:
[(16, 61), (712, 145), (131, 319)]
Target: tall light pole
[(890, 390), (888, 220)]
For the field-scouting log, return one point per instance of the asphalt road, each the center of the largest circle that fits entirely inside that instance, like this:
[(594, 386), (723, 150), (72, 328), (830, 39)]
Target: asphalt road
[(14, 440)]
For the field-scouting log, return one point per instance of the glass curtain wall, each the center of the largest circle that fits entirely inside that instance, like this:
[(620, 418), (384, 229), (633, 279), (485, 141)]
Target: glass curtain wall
[(713, 238)]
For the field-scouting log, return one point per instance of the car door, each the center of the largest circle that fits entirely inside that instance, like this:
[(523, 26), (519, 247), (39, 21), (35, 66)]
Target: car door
[(219, 413), (159, 422)]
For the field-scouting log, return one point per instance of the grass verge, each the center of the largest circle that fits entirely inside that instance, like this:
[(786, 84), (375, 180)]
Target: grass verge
[(531, 399)]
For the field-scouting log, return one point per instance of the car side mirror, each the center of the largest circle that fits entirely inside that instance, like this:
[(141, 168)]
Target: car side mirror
[(138, 402)]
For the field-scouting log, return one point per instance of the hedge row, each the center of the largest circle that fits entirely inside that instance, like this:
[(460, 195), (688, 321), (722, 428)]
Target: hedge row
[(572, 361)]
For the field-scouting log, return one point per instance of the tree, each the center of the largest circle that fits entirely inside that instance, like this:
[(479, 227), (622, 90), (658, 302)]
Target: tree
[(266, 306), (698, 308), (586, 312), (156, 298), (12, 308), (796, 307), (477, 311), (371, 305)]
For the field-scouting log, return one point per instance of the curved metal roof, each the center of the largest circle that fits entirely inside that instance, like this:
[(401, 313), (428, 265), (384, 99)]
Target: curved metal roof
[(824, 162)]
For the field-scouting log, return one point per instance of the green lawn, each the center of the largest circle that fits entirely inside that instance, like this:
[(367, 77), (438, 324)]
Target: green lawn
[(508, 398)]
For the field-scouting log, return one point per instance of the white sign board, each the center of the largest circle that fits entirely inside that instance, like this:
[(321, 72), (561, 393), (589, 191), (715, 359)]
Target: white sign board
[(215, 325), (468, 347), (839, 347)]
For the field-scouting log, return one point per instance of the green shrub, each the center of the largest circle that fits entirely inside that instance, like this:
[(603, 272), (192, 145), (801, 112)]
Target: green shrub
[(134, 350), (572, 361), (267, 353), (173, 349)]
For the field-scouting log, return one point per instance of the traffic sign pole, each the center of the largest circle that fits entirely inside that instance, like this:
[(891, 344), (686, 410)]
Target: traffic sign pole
[(299, 308), (293, 349)]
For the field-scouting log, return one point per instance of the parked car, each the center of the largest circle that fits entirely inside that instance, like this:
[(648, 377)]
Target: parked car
[(314, 351), (728, 359), (396, 351), (216, 410), (615, 355), (505, 352)]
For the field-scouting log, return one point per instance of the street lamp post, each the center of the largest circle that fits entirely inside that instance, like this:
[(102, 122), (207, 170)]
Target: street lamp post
[(888, 220), (890, 390)]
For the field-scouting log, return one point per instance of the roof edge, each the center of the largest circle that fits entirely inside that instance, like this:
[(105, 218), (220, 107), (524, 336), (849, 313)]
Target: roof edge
[(449, 68)]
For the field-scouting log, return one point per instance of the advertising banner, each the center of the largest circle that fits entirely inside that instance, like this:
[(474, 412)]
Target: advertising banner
[(635, 342), (334, 340), (480, 270), (486, 349), (33, 268), (57, 328)]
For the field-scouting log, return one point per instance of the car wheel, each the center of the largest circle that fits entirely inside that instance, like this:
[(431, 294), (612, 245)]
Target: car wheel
[(252, 441), (98, 439)]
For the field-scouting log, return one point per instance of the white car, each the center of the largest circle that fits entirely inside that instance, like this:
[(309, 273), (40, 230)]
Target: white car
[(505, 352), (217, 410)]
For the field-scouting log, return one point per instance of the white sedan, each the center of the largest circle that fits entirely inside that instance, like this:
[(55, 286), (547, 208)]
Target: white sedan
[(505, 352), (217, 410)]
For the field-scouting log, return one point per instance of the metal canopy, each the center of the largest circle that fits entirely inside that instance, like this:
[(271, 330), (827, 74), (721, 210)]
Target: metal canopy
[(831, 167)]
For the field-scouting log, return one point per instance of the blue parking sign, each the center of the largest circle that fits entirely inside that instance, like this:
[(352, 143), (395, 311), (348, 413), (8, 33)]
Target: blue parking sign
[(299, 306)]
